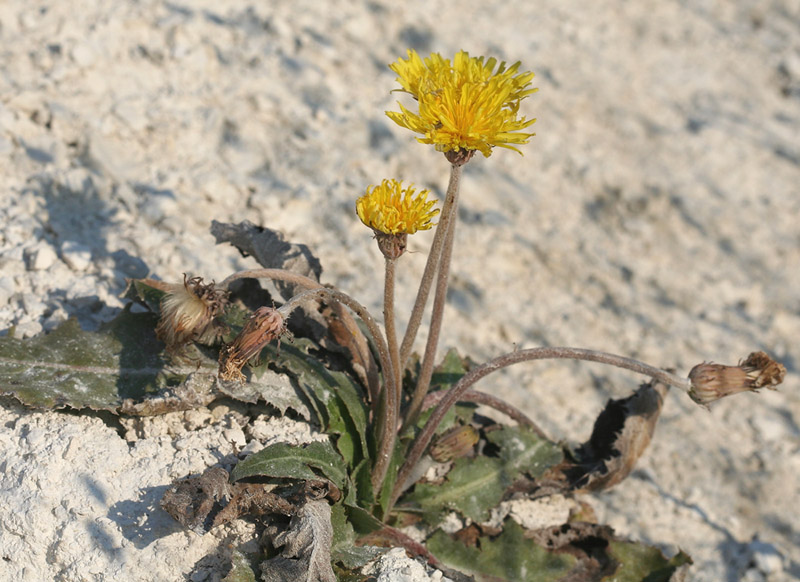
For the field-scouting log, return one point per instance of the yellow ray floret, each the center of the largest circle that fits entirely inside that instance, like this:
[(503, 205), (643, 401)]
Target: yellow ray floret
[(467, 105), (392, 209)]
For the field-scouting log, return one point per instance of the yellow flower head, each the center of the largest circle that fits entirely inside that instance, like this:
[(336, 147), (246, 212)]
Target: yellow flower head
[(467, 105), (391, 209)]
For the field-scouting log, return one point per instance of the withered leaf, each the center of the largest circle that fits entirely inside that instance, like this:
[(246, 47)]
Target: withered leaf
[(269, 248), (306, 553), (620, 436), (252, 499), (191, 501)]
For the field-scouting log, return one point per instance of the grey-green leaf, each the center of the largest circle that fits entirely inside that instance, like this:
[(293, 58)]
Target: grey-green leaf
[(282, 460), (335, 396), (81, 369), (640, 562), (473, 487), (344, 548), (510, 557), (523, 451), (275, 389)]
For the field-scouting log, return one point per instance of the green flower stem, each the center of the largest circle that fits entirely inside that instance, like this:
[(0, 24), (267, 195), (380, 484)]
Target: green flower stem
[(387, 424), (424, 380), (456, 392), (448, 215), (498, 404), (364, 355), (389, 325)]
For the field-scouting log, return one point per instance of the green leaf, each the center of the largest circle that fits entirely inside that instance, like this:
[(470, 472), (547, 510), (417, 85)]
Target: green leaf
[(643, 563), (510, 556), (450, 370), (344, 549), (398, 457), (275, 389), (241, 571), (81, 369), (337, 398), (472, 488), (362, 479), (285, 461), (523, 451)]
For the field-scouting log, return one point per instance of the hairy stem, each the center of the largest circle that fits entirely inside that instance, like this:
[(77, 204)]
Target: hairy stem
[(437, 316), (276, 274), (389, 324), (448, 215), (498, 404), (455, 393)]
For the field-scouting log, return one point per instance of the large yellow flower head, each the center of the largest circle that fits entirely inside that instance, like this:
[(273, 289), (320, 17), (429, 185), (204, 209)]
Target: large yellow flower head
[(464, 106), (391, 209)]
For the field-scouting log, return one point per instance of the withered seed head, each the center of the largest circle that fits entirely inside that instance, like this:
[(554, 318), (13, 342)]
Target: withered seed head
[(187, 313), (264, 325), (711, 381)]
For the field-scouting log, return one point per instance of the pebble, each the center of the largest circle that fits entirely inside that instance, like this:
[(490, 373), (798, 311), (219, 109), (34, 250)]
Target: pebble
[(40, 257), (27, 329), (766, 557), (77, 256), (7, 289), (32, 304)]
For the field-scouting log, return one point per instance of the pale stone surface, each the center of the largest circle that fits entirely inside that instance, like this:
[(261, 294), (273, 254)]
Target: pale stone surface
[(653, 215)]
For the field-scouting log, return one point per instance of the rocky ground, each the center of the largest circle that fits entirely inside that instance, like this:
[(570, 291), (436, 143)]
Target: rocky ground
[(653, 215)]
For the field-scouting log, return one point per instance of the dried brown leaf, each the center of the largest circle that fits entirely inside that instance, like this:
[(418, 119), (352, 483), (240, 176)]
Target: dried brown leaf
[(252, 499), (306, 553), (191, 501), (620, 436)]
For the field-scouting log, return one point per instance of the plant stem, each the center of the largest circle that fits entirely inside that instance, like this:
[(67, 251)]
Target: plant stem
[(423, 440), (362, 351), (440, 297), (498, 404), (448, 215), (389, 323), (387, 424), (277, 274)]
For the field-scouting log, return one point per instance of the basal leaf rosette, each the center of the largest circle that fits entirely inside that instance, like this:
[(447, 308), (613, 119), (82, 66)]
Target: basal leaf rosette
[(394, 212), (467, 105)]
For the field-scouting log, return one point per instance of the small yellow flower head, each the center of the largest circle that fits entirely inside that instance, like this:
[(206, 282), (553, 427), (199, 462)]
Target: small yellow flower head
[(391, 209), (394, 212), (464, 106)]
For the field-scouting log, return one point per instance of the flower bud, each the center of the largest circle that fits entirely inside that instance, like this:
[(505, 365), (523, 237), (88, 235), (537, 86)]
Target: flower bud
[(187, 313), (711, 381), (264, 325), (454, 444)]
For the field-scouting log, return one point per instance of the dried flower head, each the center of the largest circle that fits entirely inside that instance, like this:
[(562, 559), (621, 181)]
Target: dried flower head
[(464, 106), (263, 326), (711, 381), (188, 310)]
